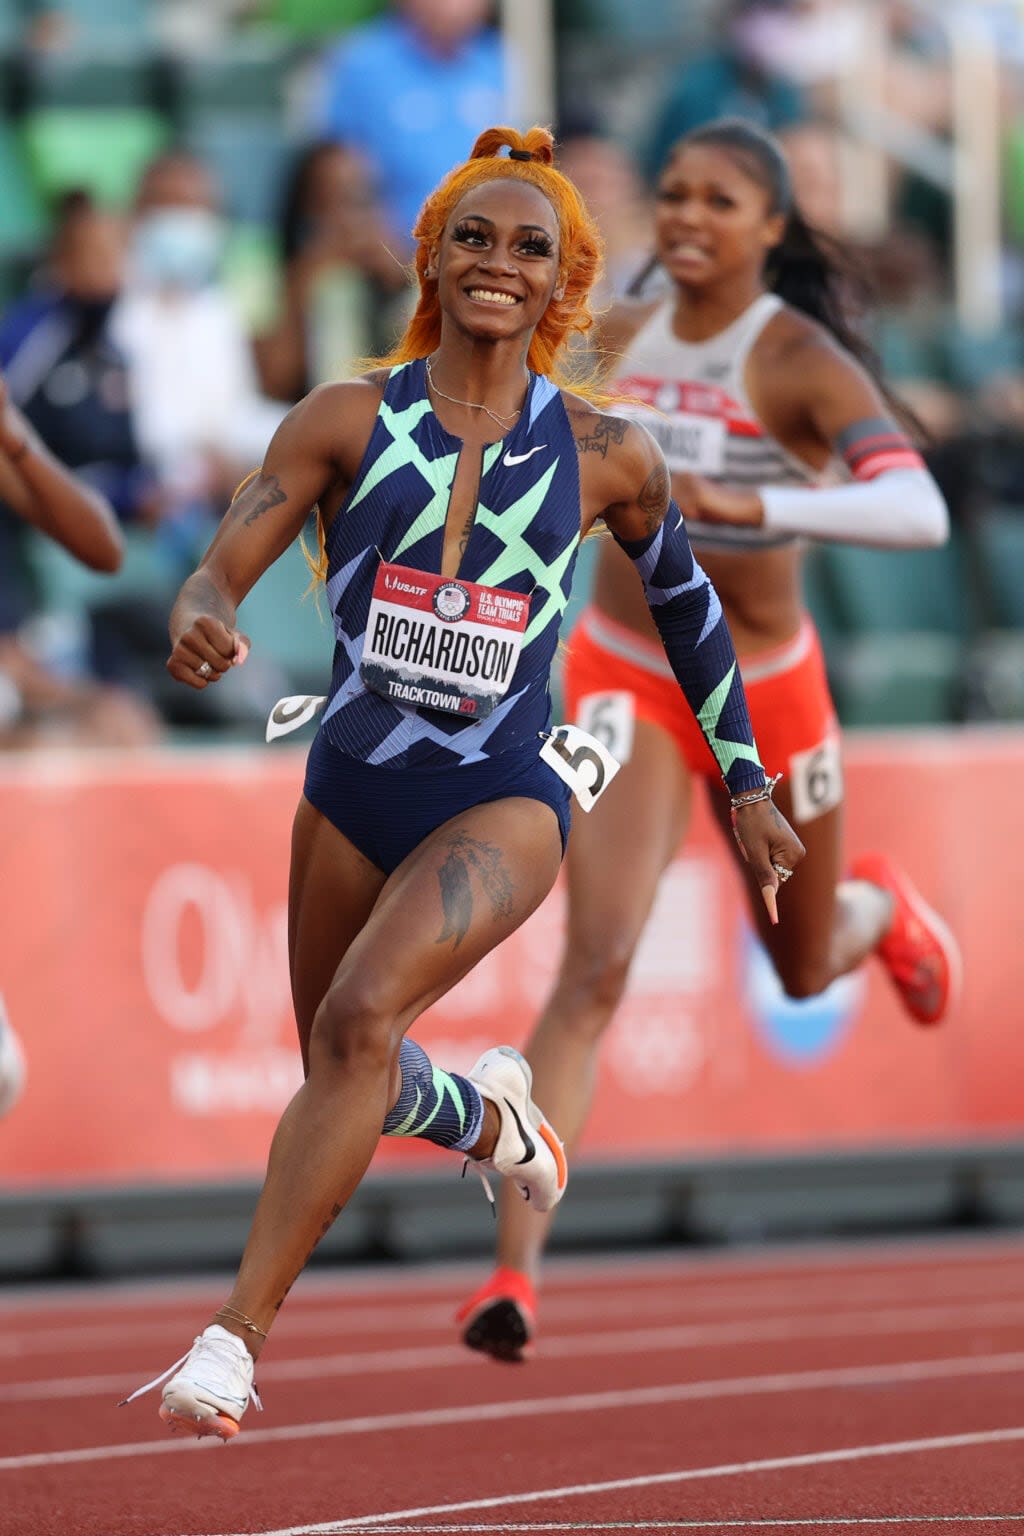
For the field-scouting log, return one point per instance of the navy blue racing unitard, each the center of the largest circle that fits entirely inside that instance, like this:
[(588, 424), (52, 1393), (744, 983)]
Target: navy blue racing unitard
[(523, 540)]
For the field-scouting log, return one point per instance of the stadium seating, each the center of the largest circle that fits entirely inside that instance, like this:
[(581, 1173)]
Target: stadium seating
[(94, 148), (901, 619), (995, 669)]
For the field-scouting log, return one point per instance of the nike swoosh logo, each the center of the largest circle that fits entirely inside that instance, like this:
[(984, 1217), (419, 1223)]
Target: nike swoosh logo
[(520, 458), (528, 1142)]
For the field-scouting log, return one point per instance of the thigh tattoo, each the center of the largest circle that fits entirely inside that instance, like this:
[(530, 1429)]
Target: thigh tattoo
[(467, 853)]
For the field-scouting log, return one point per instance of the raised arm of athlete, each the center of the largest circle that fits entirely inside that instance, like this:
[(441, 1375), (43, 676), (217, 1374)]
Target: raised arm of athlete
[(312, 458), (625, 482), (823, 406), (38, 489)]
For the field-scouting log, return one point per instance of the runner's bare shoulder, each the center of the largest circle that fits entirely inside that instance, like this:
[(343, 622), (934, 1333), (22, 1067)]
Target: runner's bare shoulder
[(342, 414), (617, 328), (616, 453)]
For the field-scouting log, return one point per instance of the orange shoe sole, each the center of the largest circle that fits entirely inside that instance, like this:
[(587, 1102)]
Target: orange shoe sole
[(218, 1424)]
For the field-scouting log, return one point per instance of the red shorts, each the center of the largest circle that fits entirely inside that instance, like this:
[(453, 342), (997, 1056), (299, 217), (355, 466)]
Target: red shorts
[(613, 676)]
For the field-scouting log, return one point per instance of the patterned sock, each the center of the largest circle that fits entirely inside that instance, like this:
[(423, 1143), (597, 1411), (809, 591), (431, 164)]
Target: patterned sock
[(438, 1106)]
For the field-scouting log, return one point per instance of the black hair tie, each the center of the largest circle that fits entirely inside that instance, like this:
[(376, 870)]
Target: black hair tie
[(520, 154)]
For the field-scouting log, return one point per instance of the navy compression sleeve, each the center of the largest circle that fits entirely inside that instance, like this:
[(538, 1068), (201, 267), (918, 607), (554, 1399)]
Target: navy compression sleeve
[(686, 609)]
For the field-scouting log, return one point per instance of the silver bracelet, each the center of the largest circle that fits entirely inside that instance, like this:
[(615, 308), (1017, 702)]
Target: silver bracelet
[(751, 797)]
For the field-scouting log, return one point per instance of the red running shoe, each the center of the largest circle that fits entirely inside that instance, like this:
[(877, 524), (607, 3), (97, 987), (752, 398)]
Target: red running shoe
[(500, 1318), (919, 952)]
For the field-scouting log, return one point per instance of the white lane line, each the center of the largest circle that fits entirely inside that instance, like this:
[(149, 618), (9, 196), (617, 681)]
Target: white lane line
[(662, 1479), (685, 1336), (535, 1407), (345, 1314), (826, 1262), (558, 1526)]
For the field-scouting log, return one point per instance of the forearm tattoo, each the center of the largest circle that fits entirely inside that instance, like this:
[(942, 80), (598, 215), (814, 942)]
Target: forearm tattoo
[(270, 495), (467, 853)]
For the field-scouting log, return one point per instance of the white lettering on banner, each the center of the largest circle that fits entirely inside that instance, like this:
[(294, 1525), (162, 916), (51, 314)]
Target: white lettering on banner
[(658, 1048), (244, 956), (207, 1084)]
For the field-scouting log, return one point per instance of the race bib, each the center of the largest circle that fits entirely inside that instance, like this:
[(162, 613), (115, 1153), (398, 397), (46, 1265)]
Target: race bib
[(442, 643), (816, 780), (581, 761), (288, 714), (610, 718), (691, 444)]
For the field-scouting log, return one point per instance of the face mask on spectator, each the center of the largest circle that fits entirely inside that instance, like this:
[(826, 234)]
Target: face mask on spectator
[(178, 247)]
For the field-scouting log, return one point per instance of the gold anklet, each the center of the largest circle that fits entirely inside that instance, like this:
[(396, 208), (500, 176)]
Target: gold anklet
[(239, 1317)]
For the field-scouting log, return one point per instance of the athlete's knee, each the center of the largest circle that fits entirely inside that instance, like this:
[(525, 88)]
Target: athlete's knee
[(803, 976), (355, 1027), (592, 982)]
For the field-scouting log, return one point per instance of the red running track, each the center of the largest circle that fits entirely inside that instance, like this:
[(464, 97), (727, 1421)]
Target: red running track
[(834, 1390)]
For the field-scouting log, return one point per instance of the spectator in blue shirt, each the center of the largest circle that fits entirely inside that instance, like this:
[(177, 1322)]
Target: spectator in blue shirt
[(412, 90), (63, 368)]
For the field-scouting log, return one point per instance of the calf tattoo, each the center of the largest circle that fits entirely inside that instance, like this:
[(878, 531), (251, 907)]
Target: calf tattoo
[(467, 853)]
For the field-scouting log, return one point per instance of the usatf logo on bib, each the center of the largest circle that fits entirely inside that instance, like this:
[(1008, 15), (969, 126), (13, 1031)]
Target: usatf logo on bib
[(437, 643)]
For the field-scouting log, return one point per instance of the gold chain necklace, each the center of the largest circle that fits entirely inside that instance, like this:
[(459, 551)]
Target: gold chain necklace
[(504, 422)]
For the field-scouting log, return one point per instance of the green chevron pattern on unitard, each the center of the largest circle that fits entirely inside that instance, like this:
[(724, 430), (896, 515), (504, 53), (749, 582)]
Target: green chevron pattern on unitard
[(708, 716), (511, 528)]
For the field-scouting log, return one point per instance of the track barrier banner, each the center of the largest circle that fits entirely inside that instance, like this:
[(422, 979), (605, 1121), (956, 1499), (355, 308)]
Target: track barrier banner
[(143, 959)]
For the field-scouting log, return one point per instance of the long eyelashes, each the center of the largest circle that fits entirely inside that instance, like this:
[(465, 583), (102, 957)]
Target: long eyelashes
[(533, 245)]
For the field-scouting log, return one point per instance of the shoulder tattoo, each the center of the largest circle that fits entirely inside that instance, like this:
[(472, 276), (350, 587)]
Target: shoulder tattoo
[(600, 433), (653, 499)]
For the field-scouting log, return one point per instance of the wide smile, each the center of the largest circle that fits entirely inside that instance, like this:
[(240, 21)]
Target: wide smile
[(496, 298), (685, 251)]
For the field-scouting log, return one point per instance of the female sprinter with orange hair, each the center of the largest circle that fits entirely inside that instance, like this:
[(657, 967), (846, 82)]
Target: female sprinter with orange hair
[(764, 406), (453, 484)]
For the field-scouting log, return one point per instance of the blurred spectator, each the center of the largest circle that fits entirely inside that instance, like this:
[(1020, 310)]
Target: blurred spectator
[(200, 418), (64, 369), (45, 695), (812, 151), (337, 274), (737, 77), (615, 194), (412, 90)]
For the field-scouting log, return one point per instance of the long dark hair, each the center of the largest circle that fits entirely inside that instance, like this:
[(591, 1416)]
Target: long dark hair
[(808, 269)]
